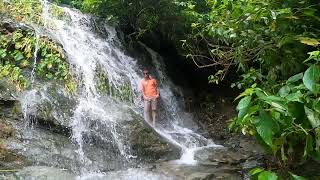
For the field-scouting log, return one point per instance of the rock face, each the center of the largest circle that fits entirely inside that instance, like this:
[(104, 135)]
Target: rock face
[(8, 91), (50, 105), (41, 173), (200, 172), (146, 143), (9, 159)]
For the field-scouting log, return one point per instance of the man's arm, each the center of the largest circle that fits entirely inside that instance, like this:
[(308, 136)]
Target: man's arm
[(158, 92)]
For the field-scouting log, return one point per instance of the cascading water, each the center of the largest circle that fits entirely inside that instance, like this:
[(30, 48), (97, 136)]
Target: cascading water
[(35, 58), (45, 13), (173, 130), (88, 53)]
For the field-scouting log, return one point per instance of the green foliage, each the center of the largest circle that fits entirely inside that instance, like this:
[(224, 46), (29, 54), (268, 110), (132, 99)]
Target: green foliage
[(14, 74), (104, 86), (17, 53), (26, 10), (311, 79), (29, 11), (286, 120), (266, 35), (269, 37), (139, 19), (261, 174)]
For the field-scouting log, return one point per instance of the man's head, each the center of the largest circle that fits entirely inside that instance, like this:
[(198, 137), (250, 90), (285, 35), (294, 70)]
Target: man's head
[(146, 73)]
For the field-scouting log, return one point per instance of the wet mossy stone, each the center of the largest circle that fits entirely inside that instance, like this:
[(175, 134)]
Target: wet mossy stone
[(146, 143)]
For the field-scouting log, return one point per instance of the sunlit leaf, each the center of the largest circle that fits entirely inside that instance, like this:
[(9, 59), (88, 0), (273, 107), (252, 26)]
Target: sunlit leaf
[(311, 78), (265, 127), (309, 41), (267, 175)]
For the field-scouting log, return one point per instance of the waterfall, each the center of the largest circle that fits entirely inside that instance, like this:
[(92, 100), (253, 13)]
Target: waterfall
[(35, 54), (88, 52)]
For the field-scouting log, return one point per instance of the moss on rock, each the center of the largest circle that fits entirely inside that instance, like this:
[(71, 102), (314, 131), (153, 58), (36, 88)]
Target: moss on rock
[(8, 158)]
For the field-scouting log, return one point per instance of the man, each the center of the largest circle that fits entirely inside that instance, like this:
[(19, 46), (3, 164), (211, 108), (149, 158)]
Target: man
[(150, 92)]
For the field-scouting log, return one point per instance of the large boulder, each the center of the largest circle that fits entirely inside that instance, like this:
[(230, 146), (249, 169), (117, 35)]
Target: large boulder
[(49, 104), (147, 143)]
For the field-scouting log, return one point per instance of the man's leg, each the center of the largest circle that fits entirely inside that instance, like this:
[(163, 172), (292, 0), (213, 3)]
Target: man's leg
[(154, 111), (154, 116), (147, 111)]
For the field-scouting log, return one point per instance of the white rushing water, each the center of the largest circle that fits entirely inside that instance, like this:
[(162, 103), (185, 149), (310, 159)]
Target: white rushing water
[(87, 52), (34, 58)]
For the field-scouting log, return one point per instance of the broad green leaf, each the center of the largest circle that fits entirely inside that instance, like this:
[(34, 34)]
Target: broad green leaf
[(311, 79), (296, 177), (244, 103), (297, 96), (261, 94), (265, 127), (313, 117), (279, 106), (309, 41), (295, 78), (284, 91), (256, 171), (18, 56), (274, 98), (267, 175), (243, 106), (274, 101)]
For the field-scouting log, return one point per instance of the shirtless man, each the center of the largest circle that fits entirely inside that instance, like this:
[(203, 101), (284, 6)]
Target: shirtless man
[(150, 92)]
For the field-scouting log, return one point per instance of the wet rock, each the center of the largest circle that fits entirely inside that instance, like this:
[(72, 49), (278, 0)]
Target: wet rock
[(9, 25), (39, 173), (250, 146), (6, 130), (199, 172), (210, 156), (50, 105), (131, 174), (107, 145), (8, 158), (251, 163), (8, 91), (146, 143), (43, 147)]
